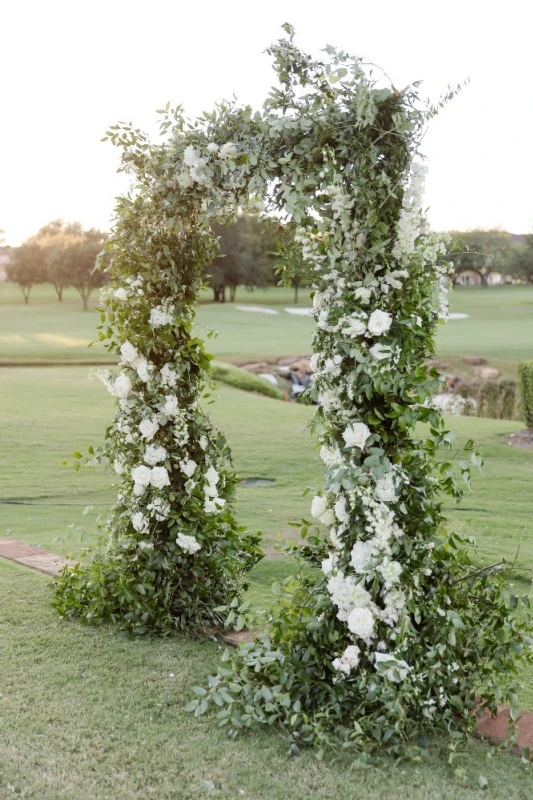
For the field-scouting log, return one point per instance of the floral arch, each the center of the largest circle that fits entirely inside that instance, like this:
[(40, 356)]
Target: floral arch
[(400, 633)]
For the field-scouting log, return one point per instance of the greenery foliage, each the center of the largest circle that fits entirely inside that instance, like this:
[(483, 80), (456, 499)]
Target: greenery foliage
[(525, 377), (240, 379)]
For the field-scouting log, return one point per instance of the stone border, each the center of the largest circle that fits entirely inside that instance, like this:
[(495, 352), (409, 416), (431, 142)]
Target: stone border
[(492, 729)]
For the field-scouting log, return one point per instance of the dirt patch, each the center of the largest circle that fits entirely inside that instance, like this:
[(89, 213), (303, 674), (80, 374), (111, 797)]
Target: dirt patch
[(523, 439)]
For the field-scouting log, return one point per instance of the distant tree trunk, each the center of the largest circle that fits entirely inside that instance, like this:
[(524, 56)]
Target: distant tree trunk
[(232, 293), (296, 287), (59, 292), (26, 294), (84, 293)]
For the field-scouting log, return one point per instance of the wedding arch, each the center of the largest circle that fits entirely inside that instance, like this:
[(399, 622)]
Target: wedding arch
[(399, 632)]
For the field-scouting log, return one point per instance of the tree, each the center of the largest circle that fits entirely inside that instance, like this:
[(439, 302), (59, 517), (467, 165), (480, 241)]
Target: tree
[(56, 239), (481, 251), (26, 268), (519, 259), (81, 257)]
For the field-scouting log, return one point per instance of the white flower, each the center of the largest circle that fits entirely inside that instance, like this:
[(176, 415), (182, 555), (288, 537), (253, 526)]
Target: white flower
[(341, 512), (355, 327), (332, 366), (228, 150), (318, 507), (188, 467), (212, 476), (141, 475), (348, 660), (160, 508), (386, 489), (128, 352), (118, 466), (188, 543), (203, 442), (212, 147), (141, 366), (380, 352), (318, 299), (148, 428), (214, 506), (168, 376), (154, 455), (330, 455), (159, 477), (313, 363), (363, 295), (379, 322), (356, 435), (171, 405), (122, 386), (328, 517), (184, 179), (139, 522), (328, 564), (160, 317), (190, 156), (328, 400), (398, 669), (361, 623), (390, 571), (361, 557), (120, 294)]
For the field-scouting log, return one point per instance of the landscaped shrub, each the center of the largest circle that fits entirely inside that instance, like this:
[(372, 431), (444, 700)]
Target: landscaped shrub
[(525, 377), (241, 379), (493, 399)]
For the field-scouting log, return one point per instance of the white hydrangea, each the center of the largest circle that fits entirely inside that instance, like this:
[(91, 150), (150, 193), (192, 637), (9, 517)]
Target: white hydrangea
[(141, 366), (363, 294), (330, 455), (188, 543), (122, 386), (159, 477), (361, 557), (159, 508), (390, 572), (160, 317), (349, 659), (190, 156), (154, 454), (120, 294), (168, 376), (148, 428), (386, 488), (213, 147), (356, 435), (379, 322), (355, 326)]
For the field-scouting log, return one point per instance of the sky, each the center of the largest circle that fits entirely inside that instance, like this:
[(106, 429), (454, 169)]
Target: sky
[(71, 69)]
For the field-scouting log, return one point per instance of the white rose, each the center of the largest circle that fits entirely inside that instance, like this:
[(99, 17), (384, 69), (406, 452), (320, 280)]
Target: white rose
[(154, 455), (379, 322), (328, 517), (318, 507), (390, 572), (139, 522), (128, 352), (120, 294), (355, 327), (141, 475), (356, 435), (328, 564), (141, 366), (159, 477), (361, 623), (122, 386), (228, 150), (318, 299), (361, 557), (341, 512), (188, 543), (212, 147), (184, 179), (190, 156), (148, 428), (380, 352), (348, 660)]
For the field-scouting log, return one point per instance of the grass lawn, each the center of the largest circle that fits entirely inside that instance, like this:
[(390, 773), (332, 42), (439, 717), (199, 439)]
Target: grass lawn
[(499, 327)]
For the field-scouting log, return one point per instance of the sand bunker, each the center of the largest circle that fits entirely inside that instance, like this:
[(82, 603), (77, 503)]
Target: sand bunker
[(257, 309)]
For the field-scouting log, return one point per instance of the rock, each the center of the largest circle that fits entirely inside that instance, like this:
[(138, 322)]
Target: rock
[(288, 361), (269, 377), (256, 368), (486, 372), (473, 361)]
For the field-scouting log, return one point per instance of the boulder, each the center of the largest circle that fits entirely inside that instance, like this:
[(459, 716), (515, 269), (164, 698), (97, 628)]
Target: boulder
[(473, 361), (486, 372)]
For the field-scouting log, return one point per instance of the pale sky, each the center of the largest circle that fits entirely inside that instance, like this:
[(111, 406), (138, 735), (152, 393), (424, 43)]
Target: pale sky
[(71, 69)]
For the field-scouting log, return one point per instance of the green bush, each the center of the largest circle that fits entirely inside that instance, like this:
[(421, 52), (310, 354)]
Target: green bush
[(496, 400), (525, 378), (240, 379)]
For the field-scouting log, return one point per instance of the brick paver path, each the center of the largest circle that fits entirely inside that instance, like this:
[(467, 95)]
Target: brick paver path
[(494, 729)]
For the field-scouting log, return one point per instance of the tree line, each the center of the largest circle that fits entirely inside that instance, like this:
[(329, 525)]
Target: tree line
[(486, 252), (250, 255)]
